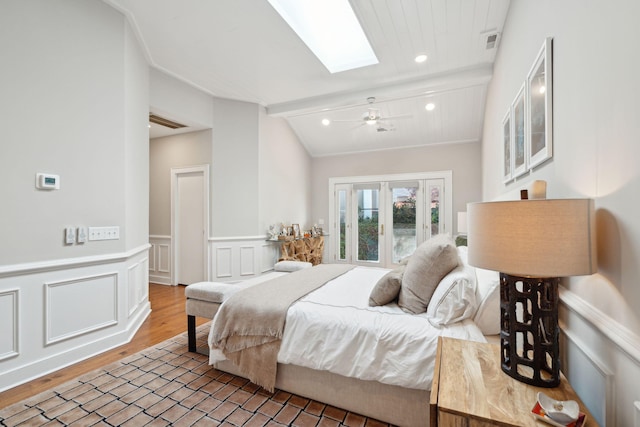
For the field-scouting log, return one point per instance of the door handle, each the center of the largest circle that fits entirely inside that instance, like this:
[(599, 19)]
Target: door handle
[(382, 229)]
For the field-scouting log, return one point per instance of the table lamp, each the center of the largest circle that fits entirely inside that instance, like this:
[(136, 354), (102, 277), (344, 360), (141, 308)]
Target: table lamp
[(532, 243)]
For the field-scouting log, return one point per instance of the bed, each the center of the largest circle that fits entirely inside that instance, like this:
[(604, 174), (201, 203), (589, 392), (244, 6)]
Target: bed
[(374, 360)]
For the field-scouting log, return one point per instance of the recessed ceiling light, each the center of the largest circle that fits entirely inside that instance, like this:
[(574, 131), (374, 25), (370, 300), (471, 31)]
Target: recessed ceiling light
[(331, 30), (326, 122), (421, 58), (430, 106)]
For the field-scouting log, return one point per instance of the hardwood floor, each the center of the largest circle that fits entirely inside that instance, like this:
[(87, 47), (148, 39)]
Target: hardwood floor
[(166, 320)]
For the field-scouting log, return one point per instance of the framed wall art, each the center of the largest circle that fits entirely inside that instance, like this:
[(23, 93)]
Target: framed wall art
[(519, 136), (540, 114), (507, 137)]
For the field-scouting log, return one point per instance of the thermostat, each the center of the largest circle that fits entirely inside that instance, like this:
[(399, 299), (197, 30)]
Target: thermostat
[(47, 181)]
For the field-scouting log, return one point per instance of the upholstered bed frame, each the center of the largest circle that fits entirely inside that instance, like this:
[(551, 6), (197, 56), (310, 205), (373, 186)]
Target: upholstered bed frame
[(388, 403)]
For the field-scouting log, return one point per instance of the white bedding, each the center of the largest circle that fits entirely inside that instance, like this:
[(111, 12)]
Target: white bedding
[(334, 329)]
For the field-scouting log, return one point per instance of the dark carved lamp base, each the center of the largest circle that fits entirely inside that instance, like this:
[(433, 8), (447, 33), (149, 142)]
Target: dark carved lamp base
[(529, 329)]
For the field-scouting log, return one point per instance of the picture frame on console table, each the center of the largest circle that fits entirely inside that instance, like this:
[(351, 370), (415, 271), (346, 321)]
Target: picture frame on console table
[(296, 231)]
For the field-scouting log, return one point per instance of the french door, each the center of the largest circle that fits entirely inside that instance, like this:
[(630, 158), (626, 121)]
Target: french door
[(379, 223)]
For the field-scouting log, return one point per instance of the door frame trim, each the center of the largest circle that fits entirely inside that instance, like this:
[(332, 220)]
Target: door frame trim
[(175, 175)]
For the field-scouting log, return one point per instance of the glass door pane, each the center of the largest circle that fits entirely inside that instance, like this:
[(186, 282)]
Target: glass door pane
[(342, 224), (434, 192), (368, 246), (404, 222)]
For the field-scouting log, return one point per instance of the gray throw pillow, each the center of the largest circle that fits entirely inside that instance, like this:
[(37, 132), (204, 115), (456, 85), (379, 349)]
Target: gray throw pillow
[(387, 288), (431, 261)]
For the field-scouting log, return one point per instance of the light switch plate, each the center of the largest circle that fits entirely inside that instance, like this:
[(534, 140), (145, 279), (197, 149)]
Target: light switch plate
[(70, 235), (82, 235)]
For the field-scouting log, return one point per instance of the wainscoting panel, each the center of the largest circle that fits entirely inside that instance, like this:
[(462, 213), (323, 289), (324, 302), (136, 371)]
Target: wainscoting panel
[(160, 259), (269, 254), (588, 373), (223, 262), (59, 312), (137, 285), (247, 260), (240, 258), (230, 258), (9, 319), (152, 258), (95, 305), (601, 359), (164, 258)]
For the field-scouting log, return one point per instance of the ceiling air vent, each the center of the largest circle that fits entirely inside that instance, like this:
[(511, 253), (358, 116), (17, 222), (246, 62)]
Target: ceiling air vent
[(165, 122), (491, 40)]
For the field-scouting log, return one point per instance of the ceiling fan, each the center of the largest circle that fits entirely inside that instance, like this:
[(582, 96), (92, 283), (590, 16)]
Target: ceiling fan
[(372, 117)]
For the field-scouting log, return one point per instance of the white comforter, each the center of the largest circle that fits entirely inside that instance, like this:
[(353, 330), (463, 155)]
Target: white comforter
[(334, 329)]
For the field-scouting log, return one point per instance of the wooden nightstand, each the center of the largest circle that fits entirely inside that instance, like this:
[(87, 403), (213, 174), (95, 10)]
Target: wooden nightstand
[(470, 389)]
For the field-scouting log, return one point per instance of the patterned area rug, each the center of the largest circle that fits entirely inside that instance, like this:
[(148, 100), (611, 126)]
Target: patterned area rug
[(166, 385)]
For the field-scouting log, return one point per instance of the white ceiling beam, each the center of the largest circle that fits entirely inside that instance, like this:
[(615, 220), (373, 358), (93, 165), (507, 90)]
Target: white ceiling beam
[(437, 83)]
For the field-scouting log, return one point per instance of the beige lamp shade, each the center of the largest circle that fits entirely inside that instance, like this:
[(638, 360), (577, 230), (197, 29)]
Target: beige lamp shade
[(533, 238)]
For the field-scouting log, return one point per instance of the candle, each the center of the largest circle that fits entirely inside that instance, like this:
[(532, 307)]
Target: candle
[(538, 190)]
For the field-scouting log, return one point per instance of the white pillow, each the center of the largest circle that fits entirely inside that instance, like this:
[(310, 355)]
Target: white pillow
[(290, 266), (455, 296), (488, 295)]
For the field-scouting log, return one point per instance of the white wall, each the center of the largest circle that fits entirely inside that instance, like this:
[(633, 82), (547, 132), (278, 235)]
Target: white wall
[(74, 103), (285, 176), (180, 101), (183, 150), (596, 139), (63, 112), (136, 148), (235, 205), (461, 159)]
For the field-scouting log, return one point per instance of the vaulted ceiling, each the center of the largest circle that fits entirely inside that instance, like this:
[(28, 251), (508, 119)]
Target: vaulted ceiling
[(243, 50)]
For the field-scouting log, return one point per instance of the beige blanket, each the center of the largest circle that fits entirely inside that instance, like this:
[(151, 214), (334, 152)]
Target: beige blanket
[(249, 325)]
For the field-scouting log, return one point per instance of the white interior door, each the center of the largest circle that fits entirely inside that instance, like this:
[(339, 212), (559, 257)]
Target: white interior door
[(190, 229)]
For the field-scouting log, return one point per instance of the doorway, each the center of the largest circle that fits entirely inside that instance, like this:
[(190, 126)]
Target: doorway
[(189, 224)]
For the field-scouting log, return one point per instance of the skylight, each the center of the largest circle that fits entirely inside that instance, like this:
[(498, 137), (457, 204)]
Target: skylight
[(331, 30)]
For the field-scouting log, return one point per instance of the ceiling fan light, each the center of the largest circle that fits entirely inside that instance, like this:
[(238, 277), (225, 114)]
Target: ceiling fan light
[(372, 121), (421, 58), (430, 106)]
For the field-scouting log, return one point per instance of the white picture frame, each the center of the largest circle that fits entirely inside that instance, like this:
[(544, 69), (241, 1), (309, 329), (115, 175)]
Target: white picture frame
[(507, 138), (519, 164), (540, 106)]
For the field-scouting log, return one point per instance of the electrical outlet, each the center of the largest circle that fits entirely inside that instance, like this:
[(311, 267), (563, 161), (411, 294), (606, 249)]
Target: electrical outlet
[(70, 235)]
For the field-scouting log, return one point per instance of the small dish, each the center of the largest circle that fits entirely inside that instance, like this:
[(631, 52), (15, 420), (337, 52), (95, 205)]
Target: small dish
[(560, 411)]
